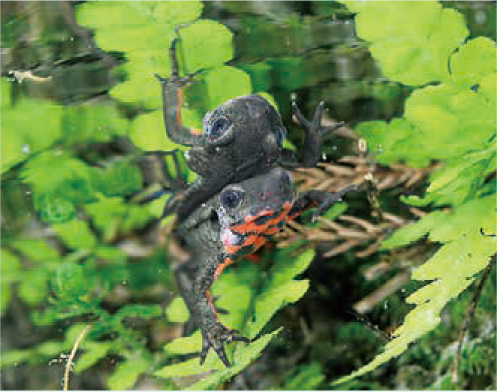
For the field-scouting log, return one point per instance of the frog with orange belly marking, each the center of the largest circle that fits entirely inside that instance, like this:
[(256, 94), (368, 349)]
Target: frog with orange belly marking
[(234, 223)]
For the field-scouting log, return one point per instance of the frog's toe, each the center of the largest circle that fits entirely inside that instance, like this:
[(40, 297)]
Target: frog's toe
[(215, 337)]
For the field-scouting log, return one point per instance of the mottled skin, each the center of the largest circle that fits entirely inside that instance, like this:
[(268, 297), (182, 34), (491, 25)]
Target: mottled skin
[(234, 223), (239, 139)]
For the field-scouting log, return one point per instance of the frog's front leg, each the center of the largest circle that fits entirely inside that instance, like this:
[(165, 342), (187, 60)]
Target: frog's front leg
[(172, 98), (314, 133), (322, 200)]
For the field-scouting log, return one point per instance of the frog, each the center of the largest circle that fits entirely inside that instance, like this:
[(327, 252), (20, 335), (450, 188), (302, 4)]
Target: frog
[(236, 222), (239, 139)]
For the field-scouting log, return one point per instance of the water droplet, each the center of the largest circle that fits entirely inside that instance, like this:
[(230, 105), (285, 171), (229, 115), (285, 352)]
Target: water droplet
[(25, 148), (480, 17)]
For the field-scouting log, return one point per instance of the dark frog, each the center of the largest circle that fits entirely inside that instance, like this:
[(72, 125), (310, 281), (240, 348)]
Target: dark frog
[(239, 139), (234, 223)]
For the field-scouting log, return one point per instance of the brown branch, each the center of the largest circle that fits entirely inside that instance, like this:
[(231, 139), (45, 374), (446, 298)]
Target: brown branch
[(367, 303)]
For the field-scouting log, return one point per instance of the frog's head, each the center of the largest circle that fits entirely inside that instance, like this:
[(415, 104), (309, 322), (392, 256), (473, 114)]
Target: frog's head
[(248, 113), (257, 204), (241, 130)]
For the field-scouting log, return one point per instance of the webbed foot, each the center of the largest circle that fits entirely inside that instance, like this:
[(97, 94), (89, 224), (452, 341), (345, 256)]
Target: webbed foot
[(315, 126)]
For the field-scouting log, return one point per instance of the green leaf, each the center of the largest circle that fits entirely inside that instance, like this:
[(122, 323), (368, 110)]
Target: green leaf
[(185, 345), (274, 299), (127, 373), (23, 134), (393, 141), (52, 208), (70, 281), (473, 61), (10, 358), (487, 90), (235, 293), (94, 351), (197, 41), (446, 117), (34, 287), (185, 368), (224, 83), (288, 267), (147, 133), (470, 217), (36, 249), (11, 267), (408, 234), (177, 312), (75, 234)]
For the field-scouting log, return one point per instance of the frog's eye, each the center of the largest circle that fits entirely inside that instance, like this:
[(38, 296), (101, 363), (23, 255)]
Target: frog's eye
[(231, 198), (280, 136), (218, 128)]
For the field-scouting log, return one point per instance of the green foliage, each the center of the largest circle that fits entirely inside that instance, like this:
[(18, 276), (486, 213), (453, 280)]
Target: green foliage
[(446, 120), (32, 283), (111, 215), (412, 50), (24, 134), (92, 123), (451, 122)]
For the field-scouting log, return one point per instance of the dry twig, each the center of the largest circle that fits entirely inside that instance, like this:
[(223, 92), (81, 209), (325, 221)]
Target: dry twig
[(70, 360)]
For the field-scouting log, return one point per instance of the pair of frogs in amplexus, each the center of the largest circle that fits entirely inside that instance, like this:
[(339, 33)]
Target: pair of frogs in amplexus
[(242, 195)]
